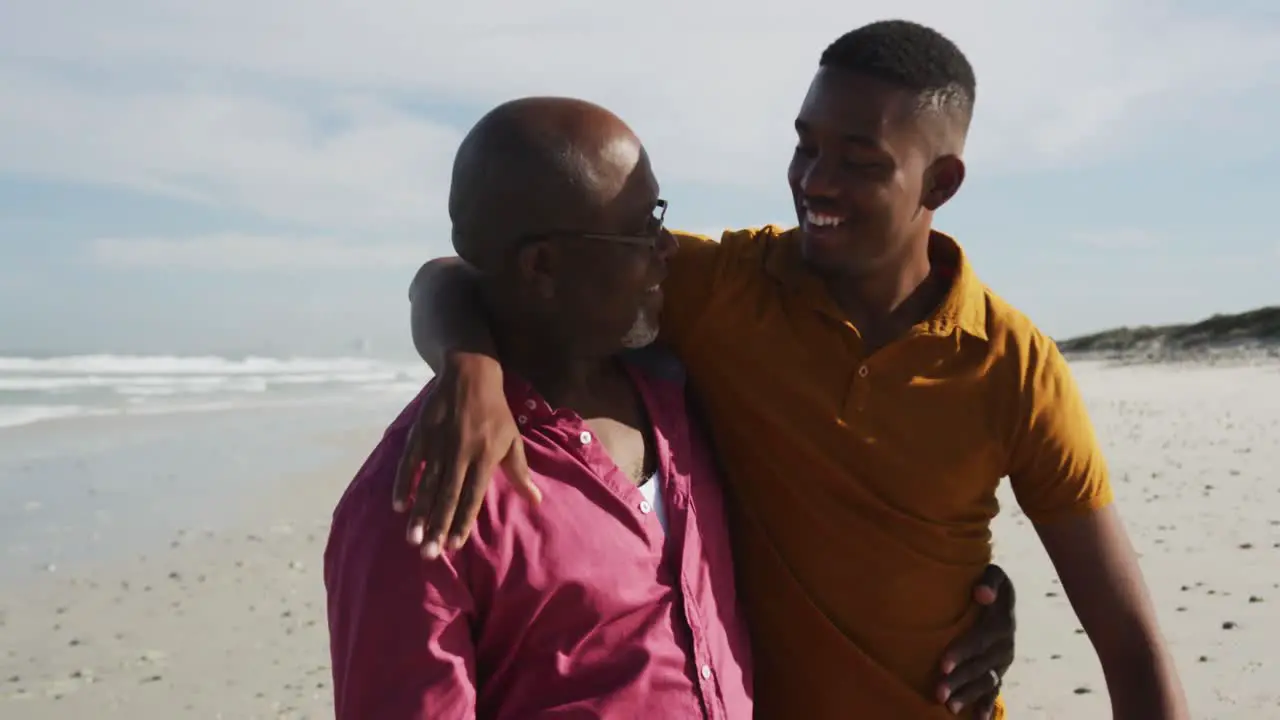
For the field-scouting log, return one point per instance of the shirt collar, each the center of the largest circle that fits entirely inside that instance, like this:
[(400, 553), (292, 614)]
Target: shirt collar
[(529, 408), (963, 308)]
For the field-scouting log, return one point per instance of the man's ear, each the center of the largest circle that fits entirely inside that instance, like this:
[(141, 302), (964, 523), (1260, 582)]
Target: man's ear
[(942, 181), (535, 265)]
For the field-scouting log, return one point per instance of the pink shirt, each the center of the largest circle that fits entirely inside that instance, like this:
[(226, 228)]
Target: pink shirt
[(581, 607)]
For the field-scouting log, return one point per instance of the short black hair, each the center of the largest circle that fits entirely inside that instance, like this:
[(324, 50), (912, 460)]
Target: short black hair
[(912, 56)]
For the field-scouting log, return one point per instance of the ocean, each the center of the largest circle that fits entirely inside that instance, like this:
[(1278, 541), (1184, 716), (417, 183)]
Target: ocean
[(34, 389), (107, 456)]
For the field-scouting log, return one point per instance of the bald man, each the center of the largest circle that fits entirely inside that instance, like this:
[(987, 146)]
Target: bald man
[(615, 597)]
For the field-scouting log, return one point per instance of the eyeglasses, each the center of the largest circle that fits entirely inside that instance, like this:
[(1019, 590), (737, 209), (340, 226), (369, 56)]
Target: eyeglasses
[(648, 239)]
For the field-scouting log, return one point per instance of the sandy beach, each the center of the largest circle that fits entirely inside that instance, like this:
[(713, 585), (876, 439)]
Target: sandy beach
[(1194, 453), (222, 618), (226, 620)]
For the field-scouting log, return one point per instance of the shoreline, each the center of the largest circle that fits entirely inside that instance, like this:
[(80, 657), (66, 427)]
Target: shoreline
[(77, 493)]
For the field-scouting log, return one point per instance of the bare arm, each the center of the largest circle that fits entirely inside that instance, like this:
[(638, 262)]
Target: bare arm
[(464, 429), (1062, 483), (1099, 572), (446, 315)]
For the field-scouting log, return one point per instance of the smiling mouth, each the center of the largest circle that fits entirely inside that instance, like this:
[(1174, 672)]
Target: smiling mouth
[(822, 220)]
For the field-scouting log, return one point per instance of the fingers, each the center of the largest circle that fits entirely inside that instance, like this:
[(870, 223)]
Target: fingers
[(412, 471), (517, 470), (984, 708), (408, 472), (453, 473), (426, 436), (471, 496), (972, 681), (995, 626), (991, 585), (448, 463), (424, 487), (970, 645), (479, 477)]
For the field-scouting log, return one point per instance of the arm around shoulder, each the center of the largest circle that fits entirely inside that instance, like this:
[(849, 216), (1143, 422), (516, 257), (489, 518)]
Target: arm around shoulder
[(446, 313)]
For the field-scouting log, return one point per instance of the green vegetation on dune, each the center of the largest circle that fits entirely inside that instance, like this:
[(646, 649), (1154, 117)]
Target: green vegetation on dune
[(1256, 327)]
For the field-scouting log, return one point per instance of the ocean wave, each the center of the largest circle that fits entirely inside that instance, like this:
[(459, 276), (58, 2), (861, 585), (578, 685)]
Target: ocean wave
[(149, 384), (184, 365), (40, 389), (16, 415)]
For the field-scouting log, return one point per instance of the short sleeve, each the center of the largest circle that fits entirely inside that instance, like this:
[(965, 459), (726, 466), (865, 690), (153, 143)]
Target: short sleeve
[(691, 280), (1056, 466)]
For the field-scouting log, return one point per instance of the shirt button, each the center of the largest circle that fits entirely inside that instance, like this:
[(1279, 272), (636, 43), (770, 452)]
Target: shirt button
[(585, 437), (531, 404), (645, 507), (706, 672), (522, 419), (862, 371)]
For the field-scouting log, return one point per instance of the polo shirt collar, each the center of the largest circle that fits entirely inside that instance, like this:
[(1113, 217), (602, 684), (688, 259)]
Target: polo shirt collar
[(963, 308)]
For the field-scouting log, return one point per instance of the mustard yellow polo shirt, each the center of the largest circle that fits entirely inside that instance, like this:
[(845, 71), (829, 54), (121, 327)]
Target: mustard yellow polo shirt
[(863, 487)]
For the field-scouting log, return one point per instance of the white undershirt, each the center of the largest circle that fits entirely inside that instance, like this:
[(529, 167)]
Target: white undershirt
[(652, 491)]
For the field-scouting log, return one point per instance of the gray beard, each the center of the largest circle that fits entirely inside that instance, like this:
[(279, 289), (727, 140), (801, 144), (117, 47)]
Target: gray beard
[(643, 332)]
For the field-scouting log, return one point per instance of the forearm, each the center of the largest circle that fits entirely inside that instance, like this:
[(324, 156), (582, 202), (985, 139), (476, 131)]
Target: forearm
[(446, 312), (1099, 571), (1145, 686)]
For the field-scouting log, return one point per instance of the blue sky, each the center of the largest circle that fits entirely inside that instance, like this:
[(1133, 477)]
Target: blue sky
[(266, 177)]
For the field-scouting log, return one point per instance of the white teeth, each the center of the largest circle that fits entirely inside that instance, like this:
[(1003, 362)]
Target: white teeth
[(821, 220)]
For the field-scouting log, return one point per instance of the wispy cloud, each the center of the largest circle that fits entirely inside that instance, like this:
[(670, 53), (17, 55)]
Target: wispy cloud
[(300, 110), (345, 160), (336, 122), (252, 253)]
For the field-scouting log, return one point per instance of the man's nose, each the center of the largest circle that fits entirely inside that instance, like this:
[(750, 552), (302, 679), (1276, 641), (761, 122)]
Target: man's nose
[(819, 179)]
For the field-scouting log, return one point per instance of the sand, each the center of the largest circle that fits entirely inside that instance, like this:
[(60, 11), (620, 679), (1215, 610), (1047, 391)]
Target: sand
[(1195, 457), (215, 624), (230, 623)]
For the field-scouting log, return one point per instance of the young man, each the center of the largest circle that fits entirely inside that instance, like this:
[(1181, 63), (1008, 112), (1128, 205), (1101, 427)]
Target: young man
[(867, 393)]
